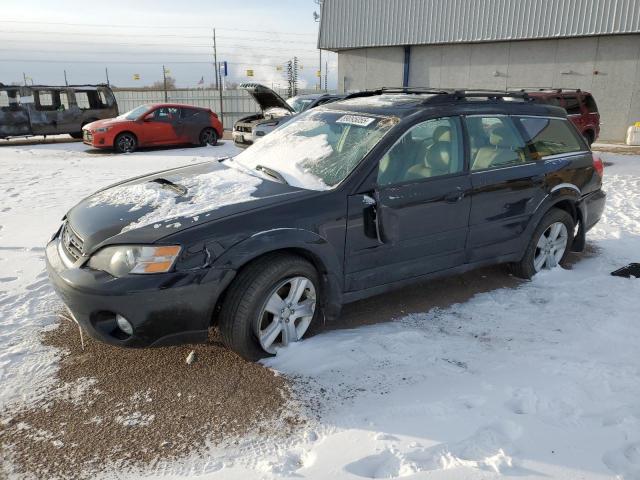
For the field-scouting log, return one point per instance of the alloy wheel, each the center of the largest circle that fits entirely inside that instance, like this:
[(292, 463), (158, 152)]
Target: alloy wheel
[(126, 143), (286, 314), (551, 246)]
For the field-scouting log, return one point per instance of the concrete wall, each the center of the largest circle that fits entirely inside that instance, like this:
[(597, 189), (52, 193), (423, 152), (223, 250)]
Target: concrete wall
[(607, 66)]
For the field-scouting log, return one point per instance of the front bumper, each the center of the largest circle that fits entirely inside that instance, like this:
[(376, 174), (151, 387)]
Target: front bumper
[(164, 309), (95, 139), (242, 139)]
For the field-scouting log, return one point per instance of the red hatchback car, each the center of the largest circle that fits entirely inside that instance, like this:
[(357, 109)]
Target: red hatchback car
[(155, 125)]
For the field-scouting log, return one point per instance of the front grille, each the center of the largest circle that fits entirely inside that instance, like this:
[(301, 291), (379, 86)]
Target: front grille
[(241, 128), (71, 242)]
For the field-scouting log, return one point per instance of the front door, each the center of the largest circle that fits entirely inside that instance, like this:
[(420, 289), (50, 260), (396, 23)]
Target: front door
[(162, 126), (415, 221)]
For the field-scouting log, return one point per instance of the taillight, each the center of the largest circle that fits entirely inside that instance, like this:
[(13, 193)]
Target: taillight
[(214, 114), (598, 166)]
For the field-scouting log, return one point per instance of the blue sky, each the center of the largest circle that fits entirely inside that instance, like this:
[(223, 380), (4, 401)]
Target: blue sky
[(139, 36)]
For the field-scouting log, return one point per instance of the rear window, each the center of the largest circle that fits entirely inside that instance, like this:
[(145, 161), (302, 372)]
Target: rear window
[(572, 105), (550, 136), (591, 104)]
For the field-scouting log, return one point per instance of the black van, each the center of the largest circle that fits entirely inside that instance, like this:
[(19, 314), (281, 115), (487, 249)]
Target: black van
[(46, 110)]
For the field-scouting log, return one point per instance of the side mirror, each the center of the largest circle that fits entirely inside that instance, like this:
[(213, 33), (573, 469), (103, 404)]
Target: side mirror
[(148, 117)]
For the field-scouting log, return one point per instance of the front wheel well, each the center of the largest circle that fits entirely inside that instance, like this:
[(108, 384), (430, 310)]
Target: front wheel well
[(296, 252), (122, 133)]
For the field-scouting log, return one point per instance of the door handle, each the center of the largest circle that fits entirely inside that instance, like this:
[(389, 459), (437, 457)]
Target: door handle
[(455, 197)]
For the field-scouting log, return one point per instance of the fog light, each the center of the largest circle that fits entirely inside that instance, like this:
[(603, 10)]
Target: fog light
[(124, 324)]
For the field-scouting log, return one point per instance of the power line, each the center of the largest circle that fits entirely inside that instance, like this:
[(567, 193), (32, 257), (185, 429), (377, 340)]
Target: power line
[(182, 52), (98, 25), (137, 35), (126, 62)]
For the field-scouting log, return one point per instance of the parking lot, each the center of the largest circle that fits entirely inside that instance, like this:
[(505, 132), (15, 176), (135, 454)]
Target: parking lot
[(482, 373)]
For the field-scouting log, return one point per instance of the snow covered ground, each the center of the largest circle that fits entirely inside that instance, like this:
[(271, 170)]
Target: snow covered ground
[(541, 380)]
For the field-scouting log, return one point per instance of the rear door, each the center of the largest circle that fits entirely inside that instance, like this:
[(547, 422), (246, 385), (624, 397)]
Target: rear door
[(415, 220), (507, 182)]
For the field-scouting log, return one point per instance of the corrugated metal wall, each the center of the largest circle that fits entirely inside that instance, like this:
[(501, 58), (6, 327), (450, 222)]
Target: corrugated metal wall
[(365, 23)]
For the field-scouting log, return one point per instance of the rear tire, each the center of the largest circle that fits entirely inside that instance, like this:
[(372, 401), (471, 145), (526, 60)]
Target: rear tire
[(76, 135), (246, 323), (549, 246), (125, 143), (208, 136)]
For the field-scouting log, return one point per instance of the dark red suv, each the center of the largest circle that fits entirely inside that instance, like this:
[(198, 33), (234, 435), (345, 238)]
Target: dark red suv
[(581, 109)]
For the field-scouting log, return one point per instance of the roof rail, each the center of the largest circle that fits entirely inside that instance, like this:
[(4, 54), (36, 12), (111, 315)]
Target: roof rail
[(440, 95), (399, 90), (544, 89), (457, 95)]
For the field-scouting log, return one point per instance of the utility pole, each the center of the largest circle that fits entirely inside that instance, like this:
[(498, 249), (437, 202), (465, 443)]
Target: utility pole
[(24, 76), (320, 68), (106, 72), (65, 78), (326, 75), (164, 80), (218, 79)]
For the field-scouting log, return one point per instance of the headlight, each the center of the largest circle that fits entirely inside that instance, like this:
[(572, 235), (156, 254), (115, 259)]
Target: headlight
[(138, 259), (103, 129)]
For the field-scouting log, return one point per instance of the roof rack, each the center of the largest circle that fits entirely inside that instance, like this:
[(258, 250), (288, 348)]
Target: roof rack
[(496, 95), (440, 95), (545, 89), (397, 90)]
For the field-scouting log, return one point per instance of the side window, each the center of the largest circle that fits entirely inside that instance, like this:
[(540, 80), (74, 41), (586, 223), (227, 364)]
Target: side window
[(64, 101), (495, 142), (572, 105), (591, 104), (46, 100), (550, 136), (189, 113), (82, 99), (429, 149), (167, 114)]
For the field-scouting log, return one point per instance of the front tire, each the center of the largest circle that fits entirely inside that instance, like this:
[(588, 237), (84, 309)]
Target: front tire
[(271, 304), (125, 143), (208, 136), (549, 246)]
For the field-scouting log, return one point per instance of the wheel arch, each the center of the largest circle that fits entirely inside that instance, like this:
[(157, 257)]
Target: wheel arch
[(563, 197), (302, 243), (123, 132)]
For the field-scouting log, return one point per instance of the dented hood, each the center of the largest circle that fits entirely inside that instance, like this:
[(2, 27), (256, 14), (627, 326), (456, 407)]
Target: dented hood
[(148, 208), (265, 97)]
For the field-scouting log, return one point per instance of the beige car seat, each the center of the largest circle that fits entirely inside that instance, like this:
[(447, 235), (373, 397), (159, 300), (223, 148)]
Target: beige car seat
[(437, 161), (499, 152)]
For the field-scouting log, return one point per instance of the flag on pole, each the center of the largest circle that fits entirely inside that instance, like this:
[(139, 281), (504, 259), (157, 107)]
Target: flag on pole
[(201, 82)]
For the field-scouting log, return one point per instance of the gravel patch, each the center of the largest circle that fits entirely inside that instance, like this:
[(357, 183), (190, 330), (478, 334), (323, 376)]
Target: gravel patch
[(137, 409)]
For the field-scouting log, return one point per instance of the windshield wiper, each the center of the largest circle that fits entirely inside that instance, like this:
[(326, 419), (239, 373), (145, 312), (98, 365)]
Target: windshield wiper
[(272, 173), (164, 183)]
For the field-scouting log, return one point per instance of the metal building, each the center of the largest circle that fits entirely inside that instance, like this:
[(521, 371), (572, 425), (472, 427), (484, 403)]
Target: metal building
[(593, 45)]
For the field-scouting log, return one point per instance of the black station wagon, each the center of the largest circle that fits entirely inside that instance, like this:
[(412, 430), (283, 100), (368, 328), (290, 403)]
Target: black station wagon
[(346, 201)]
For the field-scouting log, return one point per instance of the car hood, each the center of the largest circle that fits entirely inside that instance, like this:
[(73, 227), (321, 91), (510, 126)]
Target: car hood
[(107, 122), (148, 208), (265, 97)]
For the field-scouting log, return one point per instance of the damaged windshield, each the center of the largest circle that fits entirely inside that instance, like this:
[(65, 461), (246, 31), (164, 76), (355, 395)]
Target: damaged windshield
[(318, 149)]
